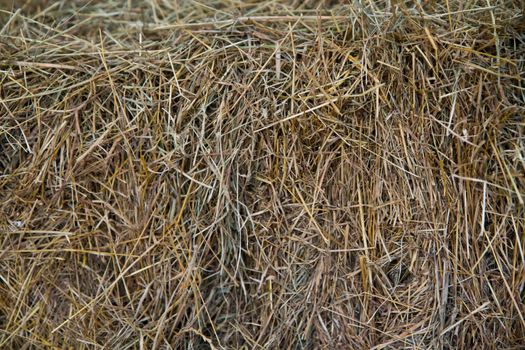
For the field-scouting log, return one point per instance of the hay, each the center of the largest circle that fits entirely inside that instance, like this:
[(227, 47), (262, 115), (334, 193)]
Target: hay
[(262, 175)]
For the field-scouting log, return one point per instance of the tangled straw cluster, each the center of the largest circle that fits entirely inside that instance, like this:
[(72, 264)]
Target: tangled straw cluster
[(262, 175)]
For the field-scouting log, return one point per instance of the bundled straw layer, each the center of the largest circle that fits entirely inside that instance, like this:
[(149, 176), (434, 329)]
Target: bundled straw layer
[(261, 175)]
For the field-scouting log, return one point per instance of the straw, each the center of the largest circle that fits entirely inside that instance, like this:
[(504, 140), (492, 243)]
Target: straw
[(262, 175)]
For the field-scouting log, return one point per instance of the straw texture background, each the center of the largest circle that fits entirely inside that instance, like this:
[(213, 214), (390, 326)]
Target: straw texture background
[(232, 174)]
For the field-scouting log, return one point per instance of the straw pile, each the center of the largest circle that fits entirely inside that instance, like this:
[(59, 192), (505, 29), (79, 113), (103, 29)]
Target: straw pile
[(262, 175)]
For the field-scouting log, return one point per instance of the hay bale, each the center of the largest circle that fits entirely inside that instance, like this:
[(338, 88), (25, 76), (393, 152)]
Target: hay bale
[(223, 174)]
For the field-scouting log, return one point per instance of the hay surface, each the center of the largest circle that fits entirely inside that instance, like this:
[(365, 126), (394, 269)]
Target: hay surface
[(262, 175)]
